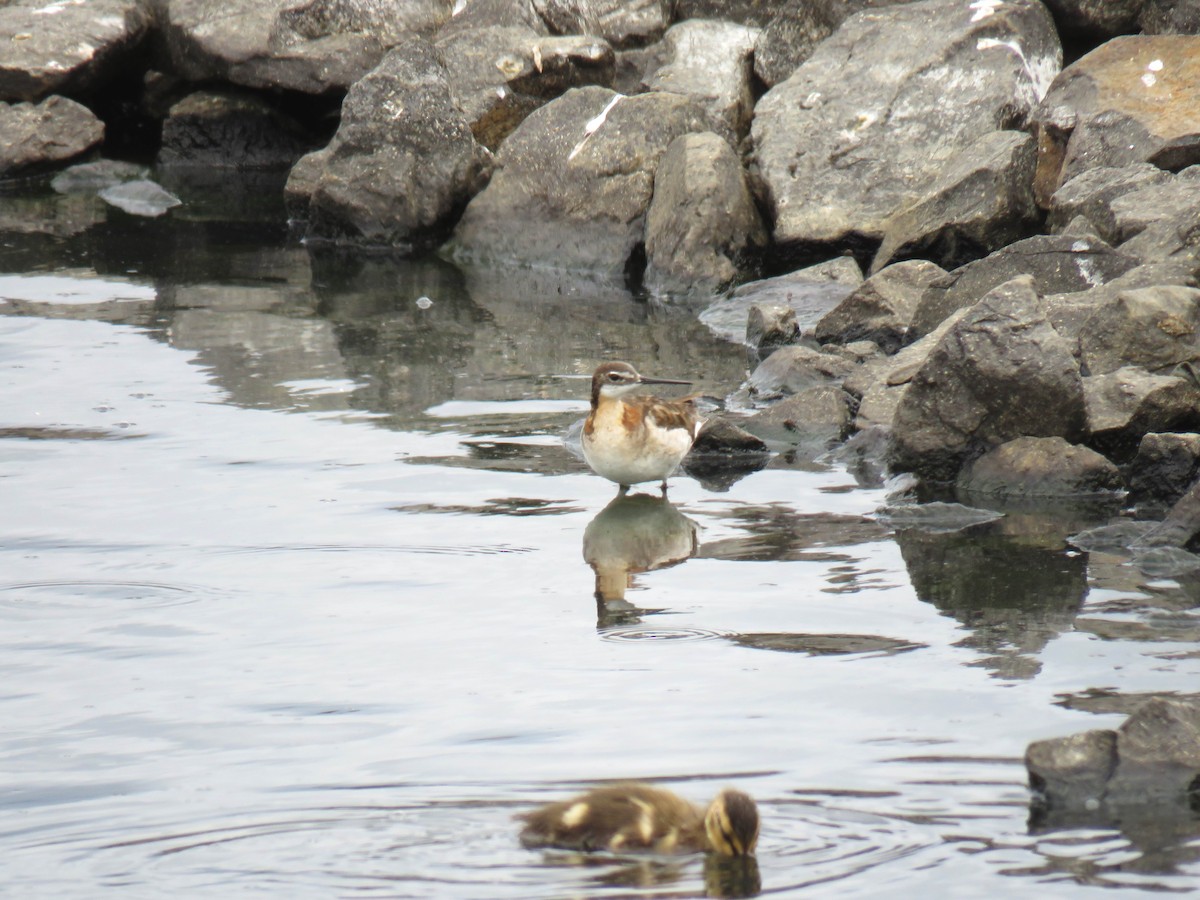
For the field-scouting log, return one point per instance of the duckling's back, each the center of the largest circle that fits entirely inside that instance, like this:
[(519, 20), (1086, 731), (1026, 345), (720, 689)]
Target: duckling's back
[(618, 818)]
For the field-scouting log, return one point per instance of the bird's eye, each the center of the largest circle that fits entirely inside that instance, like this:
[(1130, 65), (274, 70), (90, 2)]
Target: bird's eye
[(613, 376)]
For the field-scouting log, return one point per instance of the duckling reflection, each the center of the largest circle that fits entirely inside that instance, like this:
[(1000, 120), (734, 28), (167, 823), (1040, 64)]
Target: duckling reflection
[(634, 533)]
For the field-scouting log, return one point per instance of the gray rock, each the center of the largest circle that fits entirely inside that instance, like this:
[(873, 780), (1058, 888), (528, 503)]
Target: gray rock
[(1095, 19), (90, 177), (1059, 264), (1126, 102), (744, 12), (140, 198), (403, 162), (1155, 328), (795, 30), (1040, 467), (477, 14), (702, 227), (312, 46), (1175, 239), (720, 435), (866, 125), (1091, 193), (1175, 197), (577, 176), (981, 200), (227, 130), (1125, 405), (75, 49), (498, 75), (881, 308), (809, 293), (819, 414), (1181, 524), (793, 369), (1170, 17), (936, 517), (999, 373), (710, 60), (771, 325), (621, 22), (46, 136), (1153, 759), (1164, 467)]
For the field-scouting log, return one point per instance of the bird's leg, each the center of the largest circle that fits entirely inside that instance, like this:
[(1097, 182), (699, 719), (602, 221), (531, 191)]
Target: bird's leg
[(622, 490), (663, 488)]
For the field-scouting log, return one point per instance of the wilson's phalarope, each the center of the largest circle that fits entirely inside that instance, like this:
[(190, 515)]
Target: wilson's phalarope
[(630, 439)]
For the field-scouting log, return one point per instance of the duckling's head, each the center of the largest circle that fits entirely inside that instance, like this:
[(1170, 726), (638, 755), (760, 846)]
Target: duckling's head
[(613, 379), (731, 823)]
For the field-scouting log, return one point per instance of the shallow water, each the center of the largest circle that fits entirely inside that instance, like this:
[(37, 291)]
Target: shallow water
[(299, 591)]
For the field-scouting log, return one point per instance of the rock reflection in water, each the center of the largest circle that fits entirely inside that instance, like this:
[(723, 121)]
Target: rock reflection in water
[(1014, 589), (635, 533)]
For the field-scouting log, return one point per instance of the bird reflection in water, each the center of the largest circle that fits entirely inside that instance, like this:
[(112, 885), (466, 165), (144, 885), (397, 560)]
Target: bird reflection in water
[(724, 876), (635, 533)]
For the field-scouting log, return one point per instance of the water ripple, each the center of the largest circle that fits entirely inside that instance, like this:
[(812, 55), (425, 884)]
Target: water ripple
[(648, 633), (69, 595)]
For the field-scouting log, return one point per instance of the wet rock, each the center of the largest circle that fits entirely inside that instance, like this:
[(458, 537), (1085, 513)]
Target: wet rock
[(936, 517), (45, 136), (403, 162), (90, 177), (816, 414), (1164, 467), (809, 293), (621, 22), (140, 198), (719, 435), (73, 50), (1128, 101), (1040, 467), (578, 175), (498, 75), (796, 28), (1181, 524), (723, 454), (228, 130), (1095, 19), (1170, 17), (981, 200), (1156, 328), (1125, 405), (702, 227), (999, 373), (790, 370), (312, 46), (881, 308), (1091, 193), (867, 124), (710, 60), (1153, 758), (1058, 264), (771, 325)]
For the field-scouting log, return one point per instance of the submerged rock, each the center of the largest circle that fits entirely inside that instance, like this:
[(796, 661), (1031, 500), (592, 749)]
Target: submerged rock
[(90, 177), (867, 125), (140, 198), (702, 227), (578, 175), (1000, 372)]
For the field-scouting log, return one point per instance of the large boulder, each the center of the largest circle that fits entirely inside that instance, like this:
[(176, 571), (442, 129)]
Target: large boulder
[(500, 74), (1040, 467), (403, 162), (1170, 17), (1125, 405), (575, 181), (1157, 328), (999, 373), (66, 47), (869, 122), (711, 62), (1059, 264), (46, 136), (1091, 193), (1165, 466), (981, 200), (1128, 101), (313, 46), (702, 226)]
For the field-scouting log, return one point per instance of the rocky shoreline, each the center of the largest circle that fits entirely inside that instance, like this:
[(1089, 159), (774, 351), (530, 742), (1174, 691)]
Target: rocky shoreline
[(1010, 297)]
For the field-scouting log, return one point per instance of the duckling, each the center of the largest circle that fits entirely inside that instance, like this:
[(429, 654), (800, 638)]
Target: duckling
[(632, 817)]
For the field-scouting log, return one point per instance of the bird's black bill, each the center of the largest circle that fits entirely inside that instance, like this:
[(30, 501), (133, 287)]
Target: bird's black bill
[(646, 380)]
